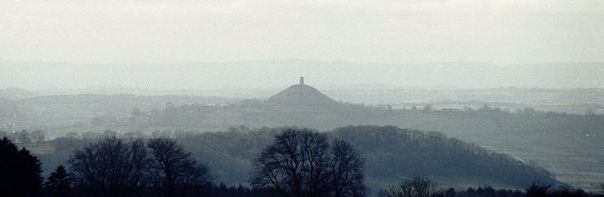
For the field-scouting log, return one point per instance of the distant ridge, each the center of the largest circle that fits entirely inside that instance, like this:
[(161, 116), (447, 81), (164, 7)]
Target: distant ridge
[(15, 93), (301, 94)]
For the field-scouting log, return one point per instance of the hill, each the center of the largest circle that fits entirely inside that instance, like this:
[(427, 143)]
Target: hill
[(15, 94), (301, 95), (55, 113)]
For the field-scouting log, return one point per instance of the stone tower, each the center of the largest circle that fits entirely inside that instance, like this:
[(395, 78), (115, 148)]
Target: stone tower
[(301, 80)]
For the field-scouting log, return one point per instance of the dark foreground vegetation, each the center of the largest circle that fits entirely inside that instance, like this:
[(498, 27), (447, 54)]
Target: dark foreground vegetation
[(289, 162), (422, 187), (389, 154), (298, 163)]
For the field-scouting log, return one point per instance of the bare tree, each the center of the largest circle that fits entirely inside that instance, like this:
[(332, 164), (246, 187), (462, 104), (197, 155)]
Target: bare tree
[(347, 170), (173, 172), (110, 167), (295, 164), (301, 163), (415, 187)]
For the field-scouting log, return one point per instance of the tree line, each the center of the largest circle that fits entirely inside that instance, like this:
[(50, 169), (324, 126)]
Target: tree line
[(296, 162), (424, 187), (300, 163), (389, 152)]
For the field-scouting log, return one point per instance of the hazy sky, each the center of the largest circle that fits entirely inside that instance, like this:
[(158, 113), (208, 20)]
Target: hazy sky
[(142, 31), (132, 33)]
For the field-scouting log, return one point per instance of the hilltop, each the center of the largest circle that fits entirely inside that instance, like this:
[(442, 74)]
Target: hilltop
[(301, 94)]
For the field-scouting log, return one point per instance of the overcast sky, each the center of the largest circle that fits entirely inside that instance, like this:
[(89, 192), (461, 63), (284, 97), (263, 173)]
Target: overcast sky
[(133, 31), (129, 33)]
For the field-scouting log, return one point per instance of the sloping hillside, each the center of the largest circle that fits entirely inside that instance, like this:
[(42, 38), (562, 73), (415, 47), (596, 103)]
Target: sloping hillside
[(301, 94), (390, 154)]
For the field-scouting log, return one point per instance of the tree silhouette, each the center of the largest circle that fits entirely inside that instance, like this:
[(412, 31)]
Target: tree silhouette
[(59, 183), (110, 167), (414, 187), (19, 171), (450, 192), (173, 172), (301, 163), (536, 190), (295, 164), (346, 170)]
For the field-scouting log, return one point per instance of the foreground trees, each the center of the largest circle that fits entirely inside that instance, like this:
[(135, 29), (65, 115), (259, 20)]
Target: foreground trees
[(114, 167), (19, 171), (172, 170), (110, 167), (59, 183), (346, 170), (301, 162), (536, 190), (414, 187)]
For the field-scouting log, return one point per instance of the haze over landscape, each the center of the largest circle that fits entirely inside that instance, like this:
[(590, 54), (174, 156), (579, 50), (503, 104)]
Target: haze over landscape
[(65, 44), (445, 98)]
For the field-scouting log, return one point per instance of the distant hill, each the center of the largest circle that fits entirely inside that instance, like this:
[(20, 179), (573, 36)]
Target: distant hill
[(9, 113), (392, 153), (301, 94), (15, 93), (55, 112), (575, 100)]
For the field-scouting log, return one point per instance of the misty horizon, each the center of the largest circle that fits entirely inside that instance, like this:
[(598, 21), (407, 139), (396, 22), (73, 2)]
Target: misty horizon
[(276, 74), (237, 44), (314, 98)]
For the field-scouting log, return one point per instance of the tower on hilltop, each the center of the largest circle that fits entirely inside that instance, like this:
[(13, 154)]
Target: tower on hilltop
[(301, 94)]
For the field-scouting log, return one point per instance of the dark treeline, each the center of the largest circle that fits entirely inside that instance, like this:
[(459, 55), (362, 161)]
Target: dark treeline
[(389, 153), (299, 163), (422, 187), (114, 166), (383, 153)]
